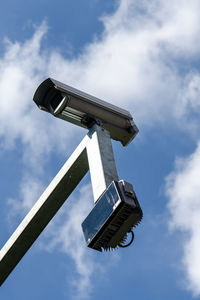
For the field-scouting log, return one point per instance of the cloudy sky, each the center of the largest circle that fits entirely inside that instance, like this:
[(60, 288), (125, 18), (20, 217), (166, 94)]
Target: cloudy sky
[(145, 57)]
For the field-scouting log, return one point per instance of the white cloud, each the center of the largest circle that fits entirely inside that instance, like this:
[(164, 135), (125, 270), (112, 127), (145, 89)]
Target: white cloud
[(21, 69), (69, 239), (183, 190), (140, 60), (30, 189)]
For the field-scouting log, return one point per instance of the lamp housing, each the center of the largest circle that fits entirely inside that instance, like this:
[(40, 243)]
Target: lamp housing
[(116, 212)]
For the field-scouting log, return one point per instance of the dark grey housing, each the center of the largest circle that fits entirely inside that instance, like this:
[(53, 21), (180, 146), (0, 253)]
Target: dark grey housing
[(77, 107), (116, 213)]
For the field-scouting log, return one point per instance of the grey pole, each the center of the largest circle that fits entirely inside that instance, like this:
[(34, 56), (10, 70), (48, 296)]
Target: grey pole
[(44, 209), (101, 160), (96, 148)]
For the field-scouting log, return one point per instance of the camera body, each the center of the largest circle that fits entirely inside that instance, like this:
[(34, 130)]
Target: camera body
[(116, 209), (77, 107)]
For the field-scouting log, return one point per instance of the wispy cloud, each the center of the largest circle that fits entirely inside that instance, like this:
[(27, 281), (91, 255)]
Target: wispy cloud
[(183, 190), (143, 59), (68, 238), (30, 189), (21, 69)]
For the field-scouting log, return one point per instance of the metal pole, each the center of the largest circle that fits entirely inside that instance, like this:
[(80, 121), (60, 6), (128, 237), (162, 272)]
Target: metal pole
[(95, 149), (44, 209), (101, 160)]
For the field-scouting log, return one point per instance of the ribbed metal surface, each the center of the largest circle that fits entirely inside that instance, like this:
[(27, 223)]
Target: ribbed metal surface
[(113, 216)]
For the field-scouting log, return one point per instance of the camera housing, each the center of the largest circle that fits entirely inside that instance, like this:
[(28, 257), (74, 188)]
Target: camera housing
[(116, 212), (77, 107)]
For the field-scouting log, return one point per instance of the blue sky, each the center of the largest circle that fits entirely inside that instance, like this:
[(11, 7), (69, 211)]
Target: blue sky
[(142, 56)]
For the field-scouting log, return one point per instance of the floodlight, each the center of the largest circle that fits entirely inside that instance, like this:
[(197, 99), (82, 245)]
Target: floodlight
[(114, 215), (77, 107)]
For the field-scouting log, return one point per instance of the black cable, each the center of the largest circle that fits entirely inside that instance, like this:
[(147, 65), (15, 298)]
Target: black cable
[(132, 238)]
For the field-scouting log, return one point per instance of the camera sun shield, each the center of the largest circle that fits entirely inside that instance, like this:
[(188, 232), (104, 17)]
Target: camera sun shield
[(79, 108)]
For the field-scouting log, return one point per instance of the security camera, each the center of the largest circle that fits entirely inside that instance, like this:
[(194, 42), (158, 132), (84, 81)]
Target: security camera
[(117, 210), (77, 107), (114, 215)]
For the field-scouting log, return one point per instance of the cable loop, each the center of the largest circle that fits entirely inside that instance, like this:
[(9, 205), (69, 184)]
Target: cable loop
[(132, 238)]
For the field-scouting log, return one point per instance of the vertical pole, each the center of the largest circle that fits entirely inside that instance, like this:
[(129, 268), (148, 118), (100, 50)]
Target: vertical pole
[(101, 160)]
